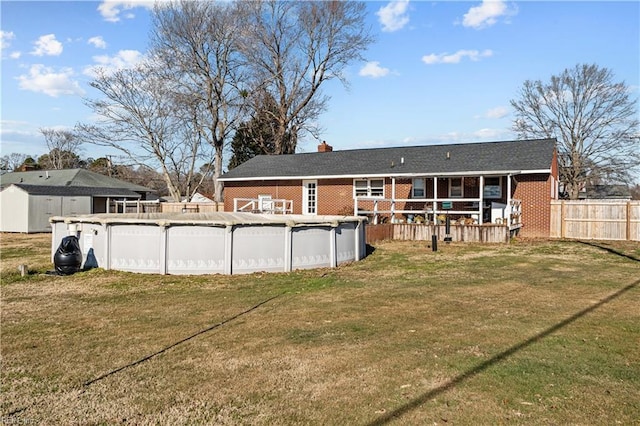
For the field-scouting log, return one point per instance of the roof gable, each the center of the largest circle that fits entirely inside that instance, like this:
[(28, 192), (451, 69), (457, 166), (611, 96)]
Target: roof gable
[(485, 157)]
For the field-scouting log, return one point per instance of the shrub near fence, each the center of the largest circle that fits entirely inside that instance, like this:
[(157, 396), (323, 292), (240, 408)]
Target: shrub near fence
[(596, 219)]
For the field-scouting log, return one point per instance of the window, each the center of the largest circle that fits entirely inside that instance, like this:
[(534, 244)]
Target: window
[(377, 187), (360, 187), (368, 188), (417, 190), (492, 187), (455, 187)]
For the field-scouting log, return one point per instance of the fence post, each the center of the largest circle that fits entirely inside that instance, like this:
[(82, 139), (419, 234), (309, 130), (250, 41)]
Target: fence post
[(628, 221), (562, 231)]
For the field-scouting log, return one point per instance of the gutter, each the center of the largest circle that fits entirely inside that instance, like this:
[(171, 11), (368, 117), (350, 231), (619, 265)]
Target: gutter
[(384, 175)]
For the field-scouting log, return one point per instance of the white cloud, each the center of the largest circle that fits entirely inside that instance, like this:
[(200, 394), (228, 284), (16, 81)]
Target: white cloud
[(43, 79), (47, 45), (123, 59), (393, 16), (111, 9), (497, 112), (5, 43), (445, 58), (5, 38), (98, 42), (486, 14), (374, 70), (489, 134)]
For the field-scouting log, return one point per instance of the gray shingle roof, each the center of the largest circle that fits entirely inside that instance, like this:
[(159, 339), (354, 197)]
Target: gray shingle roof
[(68, 177), (77, 191), (508, 156)]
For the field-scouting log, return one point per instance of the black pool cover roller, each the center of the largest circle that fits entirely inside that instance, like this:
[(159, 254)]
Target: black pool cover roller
[(68, 257)]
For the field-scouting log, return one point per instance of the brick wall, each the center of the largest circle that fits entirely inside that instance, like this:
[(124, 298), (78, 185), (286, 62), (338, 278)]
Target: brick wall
[(535, 193), (335, 196), (281, 189)]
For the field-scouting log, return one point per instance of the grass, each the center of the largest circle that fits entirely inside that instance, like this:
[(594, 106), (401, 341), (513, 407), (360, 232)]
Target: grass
[(535, 332)]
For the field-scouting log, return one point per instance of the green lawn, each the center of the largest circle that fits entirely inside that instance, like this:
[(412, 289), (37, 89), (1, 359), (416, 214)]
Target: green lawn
[(534, 332)]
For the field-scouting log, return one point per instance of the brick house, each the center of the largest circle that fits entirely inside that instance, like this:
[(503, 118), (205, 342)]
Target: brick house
[(509, 183)]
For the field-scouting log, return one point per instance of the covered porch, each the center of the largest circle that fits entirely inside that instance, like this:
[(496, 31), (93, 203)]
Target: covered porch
[(463, 199)]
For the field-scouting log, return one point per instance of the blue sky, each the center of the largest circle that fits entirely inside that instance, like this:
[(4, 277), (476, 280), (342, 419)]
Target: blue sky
[(439, 72)]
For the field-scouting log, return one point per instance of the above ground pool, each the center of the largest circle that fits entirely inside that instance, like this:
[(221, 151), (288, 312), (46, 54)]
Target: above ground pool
[(212, 243)]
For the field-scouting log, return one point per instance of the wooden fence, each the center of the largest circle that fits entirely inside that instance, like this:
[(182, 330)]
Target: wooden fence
[(422, 232), (596, 219), (192, 207)]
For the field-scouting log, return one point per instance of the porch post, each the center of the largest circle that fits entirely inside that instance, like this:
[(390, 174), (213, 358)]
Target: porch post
[(481, 206), (509, 207), (393, 199), (435, 198)]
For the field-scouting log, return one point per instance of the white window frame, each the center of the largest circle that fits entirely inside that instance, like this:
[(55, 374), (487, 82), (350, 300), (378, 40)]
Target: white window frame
[(371, 191), (310, 197), (452, 187), (422, 186)]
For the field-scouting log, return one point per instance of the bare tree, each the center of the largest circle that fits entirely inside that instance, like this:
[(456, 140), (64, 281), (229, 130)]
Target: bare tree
[(593, 118), (196, 41), (291, 49), (63, 148), (12, 162), (139, 118)]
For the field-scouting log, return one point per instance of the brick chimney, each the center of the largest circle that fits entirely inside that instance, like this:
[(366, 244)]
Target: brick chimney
[(323, 147)]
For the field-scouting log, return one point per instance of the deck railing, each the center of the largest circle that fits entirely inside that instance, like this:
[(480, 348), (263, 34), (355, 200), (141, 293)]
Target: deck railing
[(134, 206), (263, 205), (433, 211)]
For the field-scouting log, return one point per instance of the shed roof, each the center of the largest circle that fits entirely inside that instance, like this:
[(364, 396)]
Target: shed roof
[(68, 178), (524, 156), (77, 191)]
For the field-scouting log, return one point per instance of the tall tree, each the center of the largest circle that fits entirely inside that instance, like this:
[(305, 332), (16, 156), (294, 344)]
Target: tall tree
[(593, 118), (292, 49), (256, 136), (196, 41), (63, 149), (139, 118), (58, 160)]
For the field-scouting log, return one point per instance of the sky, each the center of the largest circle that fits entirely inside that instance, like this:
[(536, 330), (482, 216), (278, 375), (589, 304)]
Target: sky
[(438, 72)]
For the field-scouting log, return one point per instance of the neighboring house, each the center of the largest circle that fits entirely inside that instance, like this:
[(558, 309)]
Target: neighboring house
[(507, 183), (198, 198), (606, 192), (29, 199)]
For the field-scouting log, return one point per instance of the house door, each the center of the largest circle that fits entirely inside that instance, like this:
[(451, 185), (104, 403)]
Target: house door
[(309, 196)]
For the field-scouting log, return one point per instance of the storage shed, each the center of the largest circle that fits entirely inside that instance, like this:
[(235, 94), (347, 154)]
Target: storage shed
[(29, 199)]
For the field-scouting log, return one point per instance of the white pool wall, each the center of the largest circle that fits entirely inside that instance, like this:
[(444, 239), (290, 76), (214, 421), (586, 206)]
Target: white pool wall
[(214, 243)]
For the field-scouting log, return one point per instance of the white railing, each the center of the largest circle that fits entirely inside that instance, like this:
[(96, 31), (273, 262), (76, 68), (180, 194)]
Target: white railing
[(433, 210), (263, 205), (134, 206)]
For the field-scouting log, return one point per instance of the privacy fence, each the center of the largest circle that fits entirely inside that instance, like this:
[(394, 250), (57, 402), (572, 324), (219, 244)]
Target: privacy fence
[(596, 219)]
